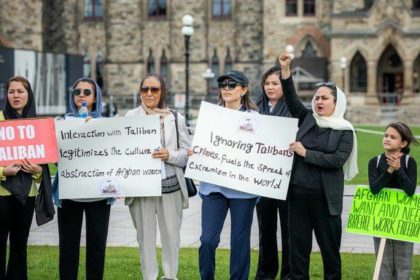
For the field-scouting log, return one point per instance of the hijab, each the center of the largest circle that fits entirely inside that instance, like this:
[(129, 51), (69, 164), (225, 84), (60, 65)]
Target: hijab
[(336, 121), (97, 105)]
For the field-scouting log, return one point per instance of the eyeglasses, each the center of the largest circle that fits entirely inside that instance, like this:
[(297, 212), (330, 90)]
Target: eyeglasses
[(154, 90), (78, 91), (328, 84), (230, 84)]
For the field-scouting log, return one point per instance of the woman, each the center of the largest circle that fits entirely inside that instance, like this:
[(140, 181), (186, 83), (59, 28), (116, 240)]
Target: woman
[(217, 200), (395, 169), (325, 155), (271, 102), (166, 209), (18, 188), (70, 212)]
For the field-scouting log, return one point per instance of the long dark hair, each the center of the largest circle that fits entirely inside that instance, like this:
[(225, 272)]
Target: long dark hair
[(406, 135), (273, 70), (29, 111), (161, 104)]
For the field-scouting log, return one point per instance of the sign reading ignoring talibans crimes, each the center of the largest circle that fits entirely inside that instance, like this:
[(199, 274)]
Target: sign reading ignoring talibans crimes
[(243, 151), (109, 157), (389, 214), (33, 139)]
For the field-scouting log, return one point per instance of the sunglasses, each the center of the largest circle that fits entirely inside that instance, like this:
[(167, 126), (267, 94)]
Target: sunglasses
[(328, 84), (229, 84), (154, 90), (78, 91)]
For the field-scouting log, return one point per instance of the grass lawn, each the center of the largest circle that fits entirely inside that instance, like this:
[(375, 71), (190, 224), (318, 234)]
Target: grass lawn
[(123, 263), (370, 145)]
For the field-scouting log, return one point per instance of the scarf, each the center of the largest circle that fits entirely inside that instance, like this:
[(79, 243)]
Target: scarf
[(280, 109), (336, 121)]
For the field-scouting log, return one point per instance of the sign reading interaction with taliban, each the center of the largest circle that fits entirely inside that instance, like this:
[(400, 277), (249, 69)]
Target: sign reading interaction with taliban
[(33, 139), (109, 157), (389, 214), (243, 151)]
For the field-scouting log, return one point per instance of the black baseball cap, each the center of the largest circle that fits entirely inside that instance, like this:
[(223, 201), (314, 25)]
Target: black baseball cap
[(237, 76)]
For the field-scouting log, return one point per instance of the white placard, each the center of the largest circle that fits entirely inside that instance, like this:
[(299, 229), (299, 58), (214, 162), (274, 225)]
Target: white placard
[(108, 157), (243, 151)]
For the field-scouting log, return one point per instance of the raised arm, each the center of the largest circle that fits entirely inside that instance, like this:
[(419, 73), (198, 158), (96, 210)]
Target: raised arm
[(295, 106)]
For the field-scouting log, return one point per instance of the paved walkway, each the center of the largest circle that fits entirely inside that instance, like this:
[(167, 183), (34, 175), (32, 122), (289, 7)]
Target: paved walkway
[(122, 233)]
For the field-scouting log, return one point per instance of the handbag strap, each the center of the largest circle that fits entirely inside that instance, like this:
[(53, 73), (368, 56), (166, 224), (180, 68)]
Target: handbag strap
[(176, 127)]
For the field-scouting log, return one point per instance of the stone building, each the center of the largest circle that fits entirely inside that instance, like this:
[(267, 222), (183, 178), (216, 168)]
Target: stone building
[(370, 48)]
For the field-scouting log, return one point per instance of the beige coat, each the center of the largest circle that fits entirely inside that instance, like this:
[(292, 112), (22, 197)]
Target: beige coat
[(178, 158)]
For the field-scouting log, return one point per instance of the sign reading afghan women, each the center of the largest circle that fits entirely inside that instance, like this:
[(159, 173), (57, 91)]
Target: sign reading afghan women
[(109, 157), (33, 139), (243, 151)]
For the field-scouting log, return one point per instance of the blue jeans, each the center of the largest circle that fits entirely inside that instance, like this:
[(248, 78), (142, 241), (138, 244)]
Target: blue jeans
[(213, 214)]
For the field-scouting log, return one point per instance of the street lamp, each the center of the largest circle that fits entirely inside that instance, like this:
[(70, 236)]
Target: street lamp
[(343, 66), (208, 75), (187, 31)]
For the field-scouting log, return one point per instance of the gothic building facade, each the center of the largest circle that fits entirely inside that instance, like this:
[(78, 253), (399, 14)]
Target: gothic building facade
[(370, 48)]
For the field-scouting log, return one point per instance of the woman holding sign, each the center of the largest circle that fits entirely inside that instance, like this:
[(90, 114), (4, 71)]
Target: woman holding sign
[(166, 210), (18, 188), (325, 155), (395, 169), (217, 200), (70, 212), (271, 102)]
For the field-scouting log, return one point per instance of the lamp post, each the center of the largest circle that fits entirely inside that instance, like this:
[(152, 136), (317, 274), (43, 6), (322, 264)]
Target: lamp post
[(208, 75), (187, 31), (343, 66)]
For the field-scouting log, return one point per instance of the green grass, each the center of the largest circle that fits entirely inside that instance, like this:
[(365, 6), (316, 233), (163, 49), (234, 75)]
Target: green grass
[(370, 145), (123, 263)]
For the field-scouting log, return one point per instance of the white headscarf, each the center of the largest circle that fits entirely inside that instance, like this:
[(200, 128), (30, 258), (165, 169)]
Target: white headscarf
[(336, 121)]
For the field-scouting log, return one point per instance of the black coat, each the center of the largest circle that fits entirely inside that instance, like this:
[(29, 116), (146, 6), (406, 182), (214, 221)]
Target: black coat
[(338, 149)]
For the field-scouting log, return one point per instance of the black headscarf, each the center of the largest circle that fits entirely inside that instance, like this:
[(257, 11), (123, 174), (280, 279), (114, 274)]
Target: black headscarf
[(280, 109), (20, 184)]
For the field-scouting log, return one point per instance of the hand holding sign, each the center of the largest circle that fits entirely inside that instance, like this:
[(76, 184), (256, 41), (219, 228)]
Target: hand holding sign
[(11, 170), (30, 168)]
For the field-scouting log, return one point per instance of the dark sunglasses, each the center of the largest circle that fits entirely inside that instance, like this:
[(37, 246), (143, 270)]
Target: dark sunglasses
[(144, 89), (230, 84), (78, 91), (328, 84)]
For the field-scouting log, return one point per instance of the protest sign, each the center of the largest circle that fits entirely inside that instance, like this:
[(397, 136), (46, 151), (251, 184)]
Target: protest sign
[(388, 214), (109, 157), (33, 139), (244, 151)]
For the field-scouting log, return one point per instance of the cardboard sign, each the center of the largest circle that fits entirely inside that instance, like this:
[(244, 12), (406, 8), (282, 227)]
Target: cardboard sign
[(243, 151), (388, 214), (109, 157), (33, 139)]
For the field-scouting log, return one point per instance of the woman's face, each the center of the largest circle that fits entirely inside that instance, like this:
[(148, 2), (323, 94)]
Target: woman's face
[(392, 140), (150, 92), (17, 96), (324, 102), (84, 91), (272, 88), (232, 95)]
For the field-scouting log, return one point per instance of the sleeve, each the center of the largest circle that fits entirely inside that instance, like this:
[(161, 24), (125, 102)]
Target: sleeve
[(378, 179), (2, 177), (179, 157), (295, 106), (337, 158), (407, 178), (37, 177)]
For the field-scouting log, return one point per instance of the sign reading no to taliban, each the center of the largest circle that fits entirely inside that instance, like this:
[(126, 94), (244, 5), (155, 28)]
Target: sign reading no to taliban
[(33, 139), (388, 214)]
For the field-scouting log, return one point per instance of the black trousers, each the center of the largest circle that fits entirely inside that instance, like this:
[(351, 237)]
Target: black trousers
[(70, 218), (15, 223), (308, 212), (268, 261)]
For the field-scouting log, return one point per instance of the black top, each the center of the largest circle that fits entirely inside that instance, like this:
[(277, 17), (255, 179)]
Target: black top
[(404, 178)]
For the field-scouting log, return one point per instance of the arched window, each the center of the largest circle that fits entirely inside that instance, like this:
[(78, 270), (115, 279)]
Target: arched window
[(157, 8), (309, 50), (416, 75), (86, 65), (150, 62), (164, 68), (358, 74), (93, 9), (100, 64), (222, 9), (228, 61), (368, 4), (215, 69)]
